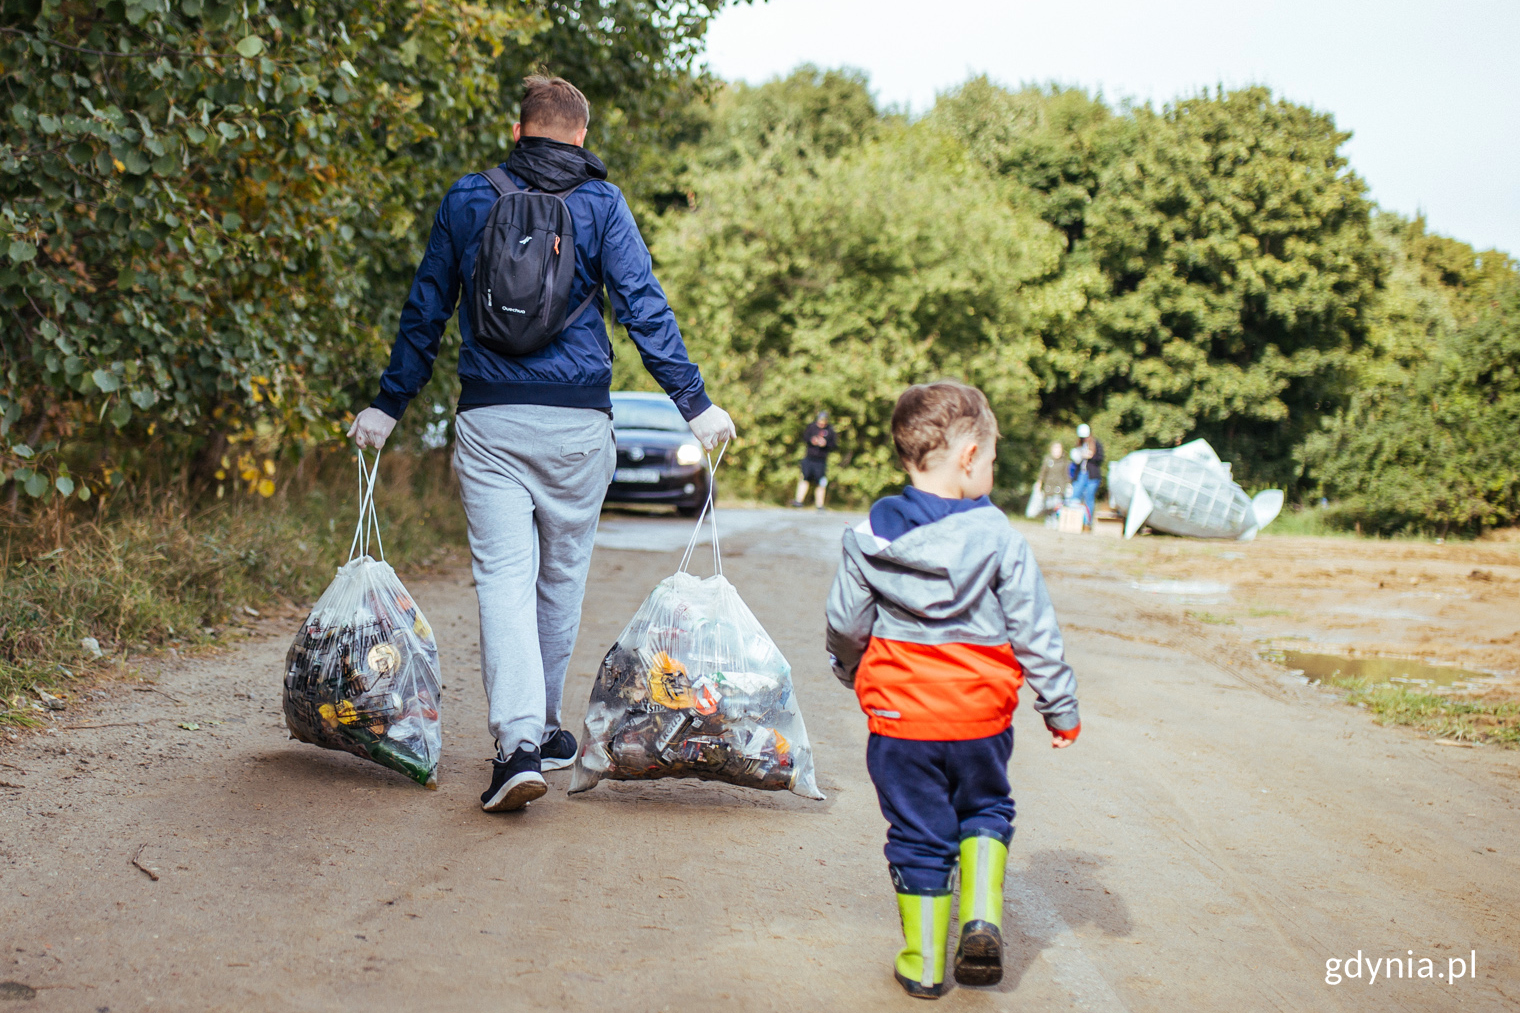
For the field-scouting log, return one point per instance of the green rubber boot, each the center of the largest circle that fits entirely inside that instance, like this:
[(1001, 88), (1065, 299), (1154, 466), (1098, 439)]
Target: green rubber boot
[(979, 957), (920, 968)]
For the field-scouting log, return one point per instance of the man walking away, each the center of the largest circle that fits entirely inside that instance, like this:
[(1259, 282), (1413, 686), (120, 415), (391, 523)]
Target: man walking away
[(818, 439), (534, 449)]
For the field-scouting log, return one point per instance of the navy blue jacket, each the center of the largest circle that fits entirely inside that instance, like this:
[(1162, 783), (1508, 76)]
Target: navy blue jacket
[(575, 370)]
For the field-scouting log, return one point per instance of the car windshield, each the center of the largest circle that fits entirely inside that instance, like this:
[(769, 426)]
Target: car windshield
[(631, 413)]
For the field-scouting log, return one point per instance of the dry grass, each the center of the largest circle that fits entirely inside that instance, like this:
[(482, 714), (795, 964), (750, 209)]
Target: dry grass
[(159, 574)]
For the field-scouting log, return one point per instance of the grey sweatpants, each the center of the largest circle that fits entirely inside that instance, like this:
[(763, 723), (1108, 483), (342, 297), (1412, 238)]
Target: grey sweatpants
[(532, 478)]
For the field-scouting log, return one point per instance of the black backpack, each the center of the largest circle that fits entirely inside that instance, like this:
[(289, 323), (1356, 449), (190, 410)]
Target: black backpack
[(524, 269)]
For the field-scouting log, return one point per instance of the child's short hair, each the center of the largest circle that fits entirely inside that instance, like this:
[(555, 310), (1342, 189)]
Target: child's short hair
[(928, 416)]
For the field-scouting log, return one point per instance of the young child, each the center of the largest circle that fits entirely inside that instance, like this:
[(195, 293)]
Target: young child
[(937, 616)]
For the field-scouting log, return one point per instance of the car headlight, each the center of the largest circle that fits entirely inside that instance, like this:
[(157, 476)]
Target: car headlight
[(688, 453)]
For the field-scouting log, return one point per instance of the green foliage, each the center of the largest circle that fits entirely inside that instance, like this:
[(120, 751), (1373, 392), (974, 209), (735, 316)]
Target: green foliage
[(832, 275), (1052, 144), (1432, 446), (1237, 252), (810, 114), (1222, 248), (213, 210), (1207, 270)]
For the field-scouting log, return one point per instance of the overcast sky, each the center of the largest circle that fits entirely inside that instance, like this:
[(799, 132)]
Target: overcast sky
[(1429, 89)]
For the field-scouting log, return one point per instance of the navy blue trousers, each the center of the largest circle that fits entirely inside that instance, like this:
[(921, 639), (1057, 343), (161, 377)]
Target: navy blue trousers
[(935, 795)]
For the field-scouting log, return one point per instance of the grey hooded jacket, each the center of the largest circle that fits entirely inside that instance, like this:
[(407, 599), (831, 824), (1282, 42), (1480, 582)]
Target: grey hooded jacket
[(968, 578)]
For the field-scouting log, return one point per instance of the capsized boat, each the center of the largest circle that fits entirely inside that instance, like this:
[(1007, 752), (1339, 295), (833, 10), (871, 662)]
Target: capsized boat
[(1187, 490)]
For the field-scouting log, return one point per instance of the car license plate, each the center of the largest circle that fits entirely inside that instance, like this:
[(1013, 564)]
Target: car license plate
[(641, 476)]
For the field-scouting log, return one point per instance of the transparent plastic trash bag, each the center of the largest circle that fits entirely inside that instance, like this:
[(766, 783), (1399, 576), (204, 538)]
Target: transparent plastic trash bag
[(362, 675), (695, 687)]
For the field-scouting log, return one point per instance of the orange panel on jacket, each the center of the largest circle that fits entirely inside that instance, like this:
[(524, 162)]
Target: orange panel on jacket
[(940, 692)]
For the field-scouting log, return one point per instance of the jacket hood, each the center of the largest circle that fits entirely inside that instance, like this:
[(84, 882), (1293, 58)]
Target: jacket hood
[(554, 165), (936, 571)]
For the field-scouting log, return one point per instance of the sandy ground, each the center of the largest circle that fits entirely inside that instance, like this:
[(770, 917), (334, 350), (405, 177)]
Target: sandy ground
[(1456, 603), (1218, 833)]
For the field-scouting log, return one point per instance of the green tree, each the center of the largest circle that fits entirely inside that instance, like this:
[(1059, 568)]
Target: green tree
[(1236, 247), (213, 209), (832, 276), (1433, 448), (1221, 252), (1052, 144)]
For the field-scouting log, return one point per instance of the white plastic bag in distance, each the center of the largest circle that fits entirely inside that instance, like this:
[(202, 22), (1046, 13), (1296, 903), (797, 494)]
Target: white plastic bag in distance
[(695, 687), (362, 675)]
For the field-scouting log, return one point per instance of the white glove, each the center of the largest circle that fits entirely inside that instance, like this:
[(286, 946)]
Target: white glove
[(372, 428), (712, 427)]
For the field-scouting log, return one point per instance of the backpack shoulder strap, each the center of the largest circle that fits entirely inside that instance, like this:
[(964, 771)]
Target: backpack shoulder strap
[(585, 304), (502, 183)]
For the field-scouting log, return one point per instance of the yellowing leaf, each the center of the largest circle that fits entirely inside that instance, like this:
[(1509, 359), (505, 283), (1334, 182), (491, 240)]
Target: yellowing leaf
[(268, 466), (266, 488)]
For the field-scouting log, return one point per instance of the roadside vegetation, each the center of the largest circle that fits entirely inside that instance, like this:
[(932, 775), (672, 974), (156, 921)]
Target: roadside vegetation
[(1456, 718), (80, 597), (1213, 268)]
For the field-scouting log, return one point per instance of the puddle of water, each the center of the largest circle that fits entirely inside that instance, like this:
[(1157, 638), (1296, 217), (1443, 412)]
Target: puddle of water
[(1403, 671), (1186, 592)]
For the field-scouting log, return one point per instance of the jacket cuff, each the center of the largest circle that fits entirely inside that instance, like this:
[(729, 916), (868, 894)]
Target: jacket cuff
[(846, 676), (694, 405), (1070, 721), (392, 405)]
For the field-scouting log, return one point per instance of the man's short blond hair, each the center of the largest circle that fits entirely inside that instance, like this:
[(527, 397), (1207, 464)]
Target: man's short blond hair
[(553, 102), (930, 416)]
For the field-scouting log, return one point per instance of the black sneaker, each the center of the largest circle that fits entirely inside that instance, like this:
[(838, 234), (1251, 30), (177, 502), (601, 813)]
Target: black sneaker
[(559, 752), (514, 782)]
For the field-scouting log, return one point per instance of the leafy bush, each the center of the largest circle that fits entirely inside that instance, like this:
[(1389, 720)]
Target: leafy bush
[(1434, 448), (212, 211), (833, 275)]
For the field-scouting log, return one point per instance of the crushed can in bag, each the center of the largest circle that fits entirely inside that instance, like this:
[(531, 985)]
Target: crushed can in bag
[(695, 687), (362, 675)]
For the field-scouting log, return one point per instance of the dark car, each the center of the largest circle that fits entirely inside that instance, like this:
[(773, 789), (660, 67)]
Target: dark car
[(658, 459)]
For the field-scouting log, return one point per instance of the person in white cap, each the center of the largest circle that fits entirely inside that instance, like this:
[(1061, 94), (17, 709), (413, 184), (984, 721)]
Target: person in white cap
[(1087, 470)]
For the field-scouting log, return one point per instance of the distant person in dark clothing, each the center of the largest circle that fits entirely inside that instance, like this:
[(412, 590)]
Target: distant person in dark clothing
[(818, 440), (1087, 470)]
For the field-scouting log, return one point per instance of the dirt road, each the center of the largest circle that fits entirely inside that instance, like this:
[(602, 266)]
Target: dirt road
[(1216, 836)]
